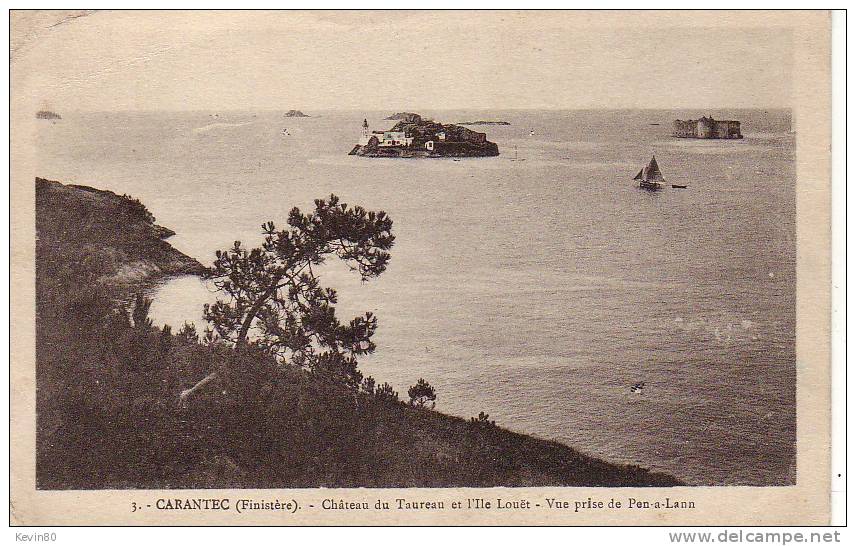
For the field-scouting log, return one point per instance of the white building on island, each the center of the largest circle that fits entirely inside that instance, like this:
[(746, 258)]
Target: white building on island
[(384, 139)]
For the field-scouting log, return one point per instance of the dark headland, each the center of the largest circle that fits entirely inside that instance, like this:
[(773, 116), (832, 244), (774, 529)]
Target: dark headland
[(112, 235), (107, 384), (295, 114), (414, 136)]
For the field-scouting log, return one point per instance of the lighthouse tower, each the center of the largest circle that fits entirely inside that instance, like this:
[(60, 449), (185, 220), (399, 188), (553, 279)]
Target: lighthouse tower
[(365, 138)]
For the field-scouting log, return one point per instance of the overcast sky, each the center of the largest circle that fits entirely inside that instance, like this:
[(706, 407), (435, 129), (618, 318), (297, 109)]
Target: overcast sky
[(382, 61)]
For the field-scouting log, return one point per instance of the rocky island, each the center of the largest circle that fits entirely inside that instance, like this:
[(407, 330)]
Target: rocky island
[(295, 114), (414, 136), (400, 116), (47, 114)]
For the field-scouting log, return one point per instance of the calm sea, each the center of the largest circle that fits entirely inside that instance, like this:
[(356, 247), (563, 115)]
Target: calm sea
[(537, 290)]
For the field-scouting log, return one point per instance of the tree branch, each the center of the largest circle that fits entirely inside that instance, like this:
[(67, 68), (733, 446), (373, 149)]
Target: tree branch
[(186, 393)]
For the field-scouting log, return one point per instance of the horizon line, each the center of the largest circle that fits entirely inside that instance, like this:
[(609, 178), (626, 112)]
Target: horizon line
[(416, 110)]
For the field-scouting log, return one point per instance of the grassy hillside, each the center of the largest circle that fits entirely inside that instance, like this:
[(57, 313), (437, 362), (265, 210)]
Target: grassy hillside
[(108, 384)]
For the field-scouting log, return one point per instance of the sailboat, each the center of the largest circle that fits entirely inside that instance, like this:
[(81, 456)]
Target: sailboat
[(650, 177)]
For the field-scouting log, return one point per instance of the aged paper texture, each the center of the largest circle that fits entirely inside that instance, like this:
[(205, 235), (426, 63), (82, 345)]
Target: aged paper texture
[(420, 267)]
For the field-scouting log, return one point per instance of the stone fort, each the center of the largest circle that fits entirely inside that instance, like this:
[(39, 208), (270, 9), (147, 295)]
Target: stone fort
[(706, 127)]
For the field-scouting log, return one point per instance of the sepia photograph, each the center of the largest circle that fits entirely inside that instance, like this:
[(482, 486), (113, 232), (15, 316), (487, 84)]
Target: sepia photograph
[(342, 251)]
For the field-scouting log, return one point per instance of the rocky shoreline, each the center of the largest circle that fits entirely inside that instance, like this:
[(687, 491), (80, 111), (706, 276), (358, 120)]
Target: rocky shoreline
[(108, 379)]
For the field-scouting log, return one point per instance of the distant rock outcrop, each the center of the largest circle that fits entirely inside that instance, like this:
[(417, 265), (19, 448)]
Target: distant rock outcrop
[(483, 122), (404, 116), (47, 114), (295, 114)]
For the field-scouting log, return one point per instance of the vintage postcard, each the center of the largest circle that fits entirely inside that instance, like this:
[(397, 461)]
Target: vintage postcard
[(420, 267)]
